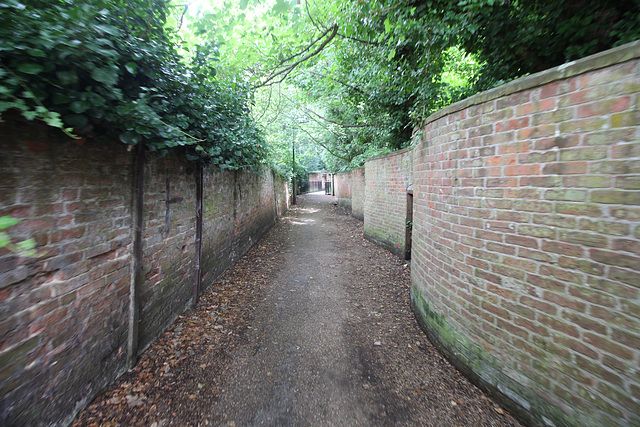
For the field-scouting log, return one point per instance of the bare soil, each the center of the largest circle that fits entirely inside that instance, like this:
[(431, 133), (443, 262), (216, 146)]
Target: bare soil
[(312, 327)]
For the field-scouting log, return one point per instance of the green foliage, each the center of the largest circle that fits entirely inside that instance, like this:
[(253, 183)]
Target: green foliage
[(24, 248), (240, 81), (115, 68), (393, 63)]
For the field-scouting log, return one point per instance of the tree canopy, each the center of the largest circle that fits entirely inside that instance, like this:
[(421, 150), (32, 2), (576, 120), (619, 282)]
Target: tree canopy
[(235, 83), (391, 63)]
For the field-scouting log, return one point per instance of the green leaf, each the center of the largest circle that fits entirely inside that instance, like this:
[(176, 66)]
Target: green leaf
[(29, 115), (387, 25), (30, 68), (60, 98), (8, 221), (76, 120), (111, 30), (131, 67), (67, 78), (107, 76), (53, 120), (281, 7), (26, 245), (79, 106), (95, 99), (392, 54), (37, 53), (130, 138), (4, 239)]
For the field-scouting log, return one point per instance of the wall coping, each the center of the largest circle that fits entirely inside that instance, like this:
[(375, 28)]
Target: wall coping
[(394, 153), (593, 62)]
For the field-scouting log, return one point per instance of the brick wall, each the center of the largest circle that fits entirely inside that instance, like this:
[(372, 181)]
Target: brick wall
[(350, 191), (239, 210), (318, 179), (168, 244), (343, 189), (64, 315), (357, 193), (282, 196), (387, 180), (526, 254)]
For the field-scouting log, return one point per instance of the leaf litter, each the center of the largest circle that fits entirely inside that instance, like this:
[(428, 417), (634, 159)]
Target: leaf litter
[(177, 381)]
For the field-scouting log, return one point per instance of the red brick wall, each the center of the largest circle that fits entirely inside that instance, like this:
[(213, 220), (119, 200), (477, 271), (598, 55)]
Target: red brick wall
[(357, 193), (64, 315), (168, 244), (317, 180), (282, 196), (343, 189), (241, 207), (526, 257), (350, 190), (387, 179)]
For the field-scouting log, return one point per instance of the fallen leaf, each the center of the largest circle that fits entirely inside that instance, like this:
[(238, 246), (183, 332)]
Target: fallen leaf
[(134, 400)]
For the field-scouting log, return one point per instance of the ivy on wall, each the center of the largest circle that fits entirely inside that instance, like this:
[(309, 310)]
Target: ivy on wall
[(115, 68)]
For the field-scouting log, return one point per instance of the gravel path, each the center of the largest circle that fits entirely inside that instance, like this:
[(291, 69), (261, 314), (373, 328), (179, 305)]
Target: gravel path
[(313, 327)]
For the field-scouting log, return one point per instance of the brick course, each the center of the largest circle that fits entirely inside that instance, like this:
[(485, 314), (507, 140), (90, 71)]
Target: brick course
[(63, 327)]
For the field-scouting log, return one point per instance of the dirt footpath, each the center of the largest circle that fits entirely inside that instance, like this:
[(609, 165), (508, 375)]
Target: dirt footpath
[(312, 327)]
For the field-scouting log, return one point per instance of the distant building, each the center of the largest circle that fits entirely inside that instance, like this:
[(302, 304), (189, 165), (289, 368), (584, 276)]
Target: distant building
[(319, 181)]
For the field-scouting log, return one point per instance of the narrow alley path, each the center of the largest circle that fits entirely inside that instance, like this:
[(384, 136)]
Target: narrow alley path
[(312, 328)]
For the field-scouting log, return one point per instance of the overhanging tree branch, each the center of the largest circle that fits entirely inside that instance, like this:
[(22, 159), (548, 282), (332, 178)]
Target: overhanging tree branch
[(288, 69), (338, 81), (323, 145), (345, 125), (319, 26)]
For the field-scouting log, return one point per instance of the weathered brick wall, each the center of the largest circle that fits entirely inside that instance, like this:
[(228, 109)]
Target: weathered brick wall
[(350, 191), (239, 210), (526, 257), (318, 179), (357, 193), (64, 315), (255, 209), (387, 179), (343, 189), (282, 195), (168, 244)]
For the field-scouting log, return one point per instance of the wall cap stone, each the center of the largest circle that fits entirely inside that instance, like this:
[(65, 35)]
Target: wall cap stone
[(593, 62)]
